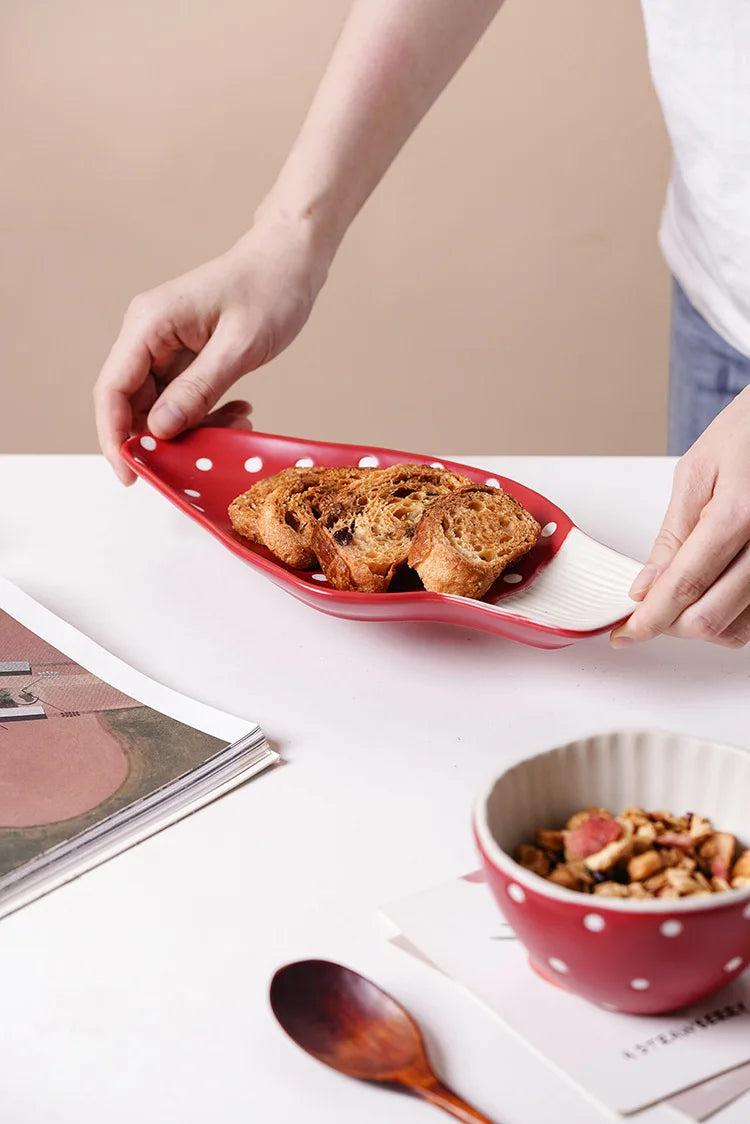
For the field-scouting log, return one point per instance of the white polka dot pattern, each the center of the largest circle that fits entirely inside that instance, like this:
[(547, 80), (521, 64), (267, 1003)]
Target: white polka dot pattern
[(204, 464), (516, 892), (148, 443), (436, 464), (370, 461), (319, 578), (491, 482), (512, 579), (304, 462), (192, 492), (733, 964), (594, 922), (548, 529), (253, 464), (201, 509), (557, 965), (640, 984), (670, 928)]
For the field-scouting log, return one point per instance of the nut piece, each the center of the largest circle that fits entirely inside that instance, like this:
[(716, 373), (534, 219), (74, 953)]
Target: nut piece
[(533, 859), (611, 890), (681, 881), (703, 884), (643, 866), (700, 829), (573, 876), (549, 840), (563, 876), (636, 817), (741, 868), (656, 882), (644, 838)]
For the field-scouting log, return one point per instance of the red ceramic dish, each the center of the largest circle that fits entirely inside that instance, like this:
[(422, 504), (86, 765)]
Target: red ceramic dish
[(640, 956), (567, 588)]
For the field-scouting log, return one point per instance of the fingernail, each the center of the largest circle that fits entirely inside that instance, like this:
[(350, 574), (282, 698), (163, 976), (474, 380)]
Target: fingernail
[(643, 582), (166, 419), (622, 641)]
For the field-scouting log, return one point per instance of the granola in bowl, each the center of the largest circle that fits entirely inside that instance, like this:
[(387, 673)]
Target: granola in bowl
[(638, 854)]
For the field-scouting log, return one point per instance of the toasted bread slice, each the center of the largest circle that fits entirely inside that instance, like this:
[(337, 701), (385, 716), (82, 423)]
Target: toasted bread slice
[(365, 530), (289, 512), (244, 510), (464, 541)]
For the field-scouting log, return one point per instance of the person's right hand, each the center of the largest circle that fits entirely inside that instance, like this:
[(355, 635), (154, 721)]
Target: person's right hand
[(183, 344)]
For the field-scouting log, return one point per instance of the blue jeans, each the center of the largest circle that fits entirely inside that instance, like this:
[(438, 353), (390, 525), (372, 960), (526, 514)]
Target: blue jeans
[(705, 374)]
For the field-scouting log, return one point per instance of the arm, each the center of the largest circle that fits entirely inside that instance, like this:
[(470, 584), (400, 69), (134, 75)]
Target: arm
[(393, 59), (185, 343)]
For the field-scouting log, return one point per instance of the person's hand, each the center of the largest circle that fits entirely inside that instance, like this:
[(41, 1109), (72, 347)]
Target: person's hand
[(183, 344), (696, 583)]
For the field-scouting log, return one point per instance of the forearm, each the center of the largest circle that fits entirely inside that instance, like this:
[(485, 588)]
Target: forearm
[(391, 62)]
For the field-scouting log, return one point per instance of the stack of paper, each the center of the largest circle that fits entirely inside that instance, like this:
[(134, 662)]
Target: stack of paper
[(694, 1060)]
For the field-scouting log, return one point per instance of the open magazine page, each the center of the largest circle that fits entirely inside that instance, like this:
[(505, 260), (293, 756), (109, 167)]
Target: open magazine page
[(113, 671), (94, 756)]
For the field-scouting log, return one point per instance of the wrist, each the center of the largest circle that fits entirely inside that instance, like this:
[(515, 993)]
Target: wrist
[(307, 221)]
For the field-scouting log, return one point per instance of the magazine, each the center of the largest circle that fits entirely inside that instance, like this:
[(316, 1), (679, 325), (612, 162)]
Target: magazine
[(94, 756)]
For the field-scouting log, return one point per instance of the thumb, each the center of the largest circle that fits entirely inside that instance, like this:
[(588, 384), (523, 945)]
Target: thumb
[(685, 506), (189, 397)]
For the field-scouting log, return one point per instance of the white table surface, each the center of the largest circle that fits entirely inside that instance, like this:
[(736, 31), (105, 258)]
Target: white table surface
[(139, 992)]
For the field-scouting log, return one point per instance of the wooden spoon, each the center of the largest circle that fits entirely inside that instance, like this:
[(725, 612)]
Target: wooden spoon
[(350, 1024)]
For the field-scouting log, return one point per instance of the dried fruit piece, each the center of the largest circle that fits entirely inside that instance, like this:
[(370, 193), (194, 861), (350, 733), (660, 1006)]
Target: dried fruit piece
[(579, 818), (679, 839), (591, 835), (718, 852)]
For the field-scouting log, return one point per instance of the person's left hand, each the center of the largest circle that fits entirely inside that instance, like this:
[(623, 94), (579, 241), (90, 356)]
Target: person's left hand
[(696, 583)]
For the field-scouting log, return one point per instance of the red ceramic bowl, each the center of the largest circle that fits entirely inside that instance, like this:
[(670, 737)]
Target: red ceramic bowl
[(643, 957), (567, 588)]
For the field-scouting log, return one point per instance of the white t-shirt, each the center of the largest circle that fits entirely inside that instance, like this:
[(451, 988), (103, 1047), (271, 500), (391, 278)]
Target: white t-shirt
[(700, 62)]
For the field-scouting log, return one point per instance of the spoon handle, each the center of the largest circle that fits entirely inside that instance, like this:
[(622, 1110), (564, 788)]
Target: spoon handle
[(439, 1094)]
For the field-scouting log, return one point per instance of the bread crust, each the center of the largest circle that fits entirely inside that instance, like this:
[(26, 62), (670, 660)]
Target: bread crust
[(366, 529), (464, 541), (289, 512), (244, 510)]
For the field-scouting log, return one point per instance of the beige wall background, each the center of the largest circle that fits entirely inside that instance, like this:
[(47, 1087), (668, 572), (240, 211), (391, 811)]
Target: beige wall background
[(501, 292)]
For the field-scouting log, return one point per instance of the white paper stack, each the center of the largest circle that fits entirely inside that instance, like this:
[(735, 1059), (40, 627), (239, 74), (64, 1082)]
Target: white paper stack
[(695, 1061)]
